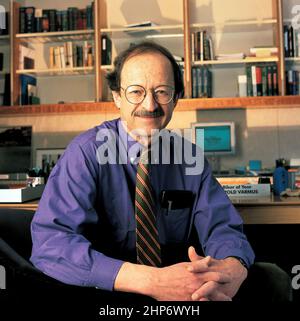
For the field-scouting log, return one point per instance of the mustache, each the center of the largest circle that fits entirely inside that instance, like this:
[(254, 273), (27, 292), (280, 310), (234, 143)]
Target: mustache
[(145, 113)]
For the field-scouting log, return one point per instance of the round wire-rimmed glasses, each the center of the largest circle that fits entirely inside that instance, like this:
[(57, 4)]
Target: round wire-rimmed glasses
[(135, 94)]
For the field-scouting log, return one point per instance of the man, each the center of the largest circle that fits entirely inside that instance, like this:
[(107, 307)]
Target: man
[(86, 232)]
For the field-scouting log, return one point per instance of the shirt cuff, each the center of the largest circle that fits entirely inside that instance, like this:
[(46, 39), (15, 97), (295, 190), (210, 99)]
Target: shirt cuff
[(104, 272)]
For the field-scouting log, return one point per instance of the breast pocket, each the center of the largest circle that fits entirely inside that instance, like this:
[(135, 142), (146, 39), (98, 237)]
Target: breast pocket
[(175, 215), (175, 225)]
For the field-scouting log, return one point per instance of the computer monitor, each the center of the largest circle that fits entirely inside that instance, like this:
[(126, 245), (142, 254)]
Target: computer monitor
[(15, 149), (218, 138)]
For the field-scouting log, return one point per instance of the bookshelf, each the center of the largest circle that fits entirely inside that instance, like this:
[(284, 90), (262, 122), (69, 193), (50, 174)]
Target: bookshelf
[(5, 57), (229, 34), (291, 48), (57, 71), (57, 36), (58, 55)]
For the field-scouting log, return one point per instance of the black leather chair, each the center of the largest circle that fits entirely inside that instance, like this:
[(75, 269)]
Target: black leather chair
[(15, 251)]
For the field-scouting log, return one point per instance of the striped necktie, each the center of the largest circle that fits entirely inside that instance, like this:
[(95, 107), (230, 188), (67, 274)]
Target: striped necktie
[(147, 244)]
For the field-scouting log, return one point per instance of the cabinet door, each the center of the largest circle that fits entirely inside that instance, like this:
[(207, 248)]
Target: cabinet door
[(291, 46), (54, 46), (130, 22), (225, 41), (4, 54)]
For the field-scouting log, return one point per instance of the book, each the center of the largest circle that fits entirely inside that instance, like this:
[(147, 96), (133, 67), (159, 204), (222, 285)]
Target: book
[(26, 80), (237, 55), (141, 24), (22, 20), (26, 57), (29, 19), (38, 15), (105, 50), (263, 51)]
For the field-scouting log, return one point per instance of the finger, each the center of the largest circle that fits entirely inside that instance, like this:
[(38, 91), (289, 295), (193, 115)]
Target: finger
[(200, 265), (219, 296), (193, 256), (218, 277), (203, 299), (205, 291)]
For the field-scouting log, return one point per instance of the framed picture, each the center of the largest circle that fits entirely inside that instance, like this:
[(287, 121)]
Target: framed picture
[(47, 158)]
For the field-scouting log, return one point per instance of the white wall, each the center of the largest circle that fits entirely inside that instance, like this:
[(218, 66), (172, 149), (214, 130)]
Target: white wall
[(264, 134)]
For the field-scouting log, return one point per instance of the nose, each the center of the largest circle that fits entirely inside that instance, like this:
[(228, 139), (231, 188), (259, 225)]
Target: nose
[(149, 102)]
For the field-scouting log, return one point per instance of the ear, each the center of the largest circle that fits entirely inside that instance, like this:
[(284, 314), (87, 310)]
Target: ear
[(117, 98)]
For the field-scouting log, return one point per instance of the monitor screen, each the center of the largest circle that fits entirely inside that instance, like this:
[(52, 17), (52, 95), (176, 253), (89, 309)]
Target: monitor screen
[(215, 138), (15, 149)]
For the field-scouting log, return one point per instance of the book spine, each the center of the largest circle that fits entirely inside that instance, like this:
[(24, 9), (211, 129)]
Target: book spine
[(62, 57), (193, 46), (270, 80), (249, 80), (52, 20), (194, 82), (258, 81), (253, 74), (291, 41), (51, 58), (275, 80), (64, 20), (286, 40), (30, 19), (45, 21), (39, 24), (22, 20)]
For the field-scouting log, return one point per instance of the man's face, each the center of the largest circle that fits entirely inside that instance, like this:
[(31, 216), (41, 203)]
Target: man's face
[(149, 70)]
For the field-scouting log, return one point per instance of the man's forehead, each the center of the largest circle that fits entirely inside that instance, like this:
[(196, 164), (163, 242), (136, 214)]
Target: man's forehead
[(147, 63)]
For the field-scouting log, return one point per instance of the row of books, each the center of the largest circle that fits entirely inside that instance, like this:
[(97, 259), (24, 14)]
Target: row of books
[(33, 19), (292, 82), (291, 40), (262, 79), (201, 82), (202, 46), (71, 55)]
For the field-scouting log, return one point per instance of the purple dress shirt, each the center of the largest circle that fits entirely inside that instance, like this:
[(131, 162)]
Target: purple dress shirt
[(84, 228)]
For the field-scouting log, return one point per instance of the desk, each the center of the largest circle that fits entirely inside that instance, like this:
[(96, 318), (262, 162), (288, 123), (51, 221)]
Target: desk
[(272, 210), (31, 205)]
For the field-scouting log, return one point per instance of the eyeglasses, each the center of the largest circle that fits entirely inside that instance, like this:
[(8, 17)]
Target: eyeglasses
[(135, 94)]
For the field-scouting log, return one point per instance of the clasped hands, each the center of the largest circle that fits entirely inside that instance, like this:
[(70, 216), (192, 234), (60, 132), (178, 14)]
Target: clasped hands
[(202, 279)]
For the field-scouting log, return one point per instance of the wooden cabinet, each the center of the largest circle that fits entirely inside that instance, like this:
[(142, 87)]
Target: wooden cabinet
[(236, 27)]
